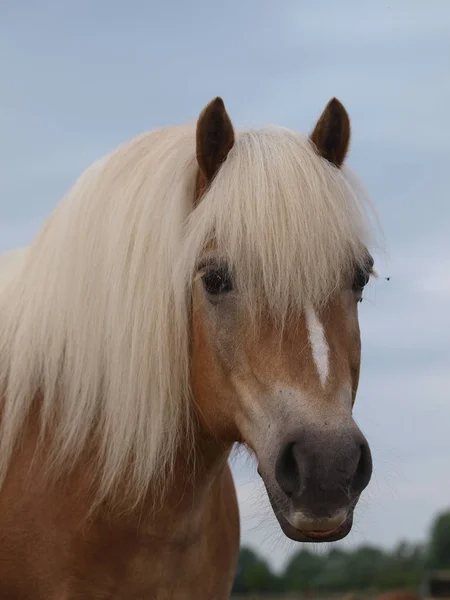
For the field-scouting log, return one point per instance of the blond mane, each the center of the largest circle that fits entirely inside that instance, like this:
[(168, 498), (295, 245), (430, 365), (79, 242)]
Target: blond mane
[(95, 322)]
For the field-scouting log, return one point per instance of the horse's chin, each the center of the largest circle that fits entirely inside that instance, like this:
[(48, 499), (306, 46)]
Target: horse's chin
[(310, 535)]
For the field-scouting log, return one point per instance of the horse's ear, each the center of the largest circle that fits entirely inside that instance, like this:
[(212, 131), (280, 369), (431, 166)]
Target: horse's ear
[(215, 138), (331, 135)]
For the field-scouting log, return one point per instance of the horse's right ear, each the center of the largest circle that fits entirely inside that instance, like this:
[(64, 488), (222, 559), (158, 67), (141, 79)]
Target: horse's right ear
[(215, 138)]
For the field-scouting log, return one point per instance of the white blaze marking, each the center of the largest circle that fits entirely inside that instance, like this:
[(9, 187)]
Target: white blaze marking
[(318, 344)]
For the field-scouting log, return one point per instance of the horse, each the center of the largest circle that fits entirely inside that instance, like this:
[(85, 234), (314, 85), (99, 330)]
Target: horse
[(194, 290)]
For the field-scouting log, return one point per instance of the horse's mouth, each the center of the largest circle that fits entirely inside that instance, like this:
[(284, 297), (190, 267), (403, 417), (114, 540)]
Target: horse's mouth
[(330, 535), (310, 535)]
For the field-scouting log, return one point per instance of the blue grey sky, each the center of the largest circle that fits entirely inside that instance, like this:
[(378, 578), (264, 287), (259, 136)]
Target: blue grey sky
[(77, 79)]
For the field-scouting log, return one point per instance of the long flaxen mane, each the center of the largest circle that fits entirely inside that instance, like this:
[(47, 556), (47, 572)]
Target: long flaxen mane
[(94, 317)]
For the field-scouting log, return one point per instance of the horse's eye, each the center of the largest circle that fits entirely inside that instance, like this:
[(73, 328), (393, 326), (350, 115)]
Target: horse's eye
[(362, 274), (217, 281), (361, 279)]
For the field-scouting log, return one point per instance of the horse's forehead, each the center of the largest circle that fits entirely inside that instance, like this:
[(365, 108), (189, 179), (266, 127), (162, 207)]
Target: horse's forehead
[(306, 321)]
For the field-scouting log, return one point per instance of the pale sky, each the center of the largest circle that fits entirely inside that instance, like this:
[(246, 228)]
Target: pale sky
[(78, 80)]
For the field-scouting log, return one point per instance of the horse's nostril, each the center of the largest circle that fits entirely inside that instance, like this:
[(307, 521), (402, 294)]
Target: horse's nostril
[(363, 471), (286, 470)]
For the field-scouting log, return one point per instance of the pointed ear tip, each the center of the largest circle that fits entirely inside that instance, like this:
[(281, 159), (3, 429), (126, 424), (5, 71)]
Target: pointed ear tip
[(336, 105), (215, 106), (217, 103)]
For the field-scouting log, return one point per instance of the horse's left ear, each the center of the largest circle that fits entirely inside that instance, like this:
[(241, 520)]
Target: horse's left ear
[(215, 138), (331, 135)]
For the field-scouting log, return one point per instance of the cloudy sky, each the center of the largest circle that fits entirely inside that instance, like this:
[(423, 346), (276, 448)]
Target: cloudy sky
[(78, 80)]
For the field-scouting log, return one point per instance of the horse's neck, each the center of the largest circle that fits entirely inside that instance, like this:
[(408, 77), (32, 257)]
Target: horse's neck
[(189, 540), (190, 486), (186, 490)]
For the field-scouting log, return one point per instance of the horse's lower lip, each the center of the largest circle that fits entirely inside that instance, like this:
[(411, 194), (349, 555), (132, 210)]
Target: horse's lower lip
[(340, 530), (330, 535), (320, 534)]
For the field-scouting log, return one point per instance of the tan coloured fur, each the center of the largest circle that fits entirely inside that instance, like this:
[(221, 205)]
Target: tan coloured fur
[(104, 288), (119, 406), (50, 550)]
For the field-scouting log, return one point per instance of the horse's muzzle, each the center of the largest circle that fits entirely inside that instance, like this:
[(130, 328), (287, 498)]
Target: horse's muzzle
[(319, 476)]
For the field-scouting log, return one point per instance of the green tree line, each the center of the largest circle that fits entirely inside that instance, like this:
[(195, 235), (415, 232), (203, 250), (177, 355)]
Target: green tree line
[(367, 568)]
